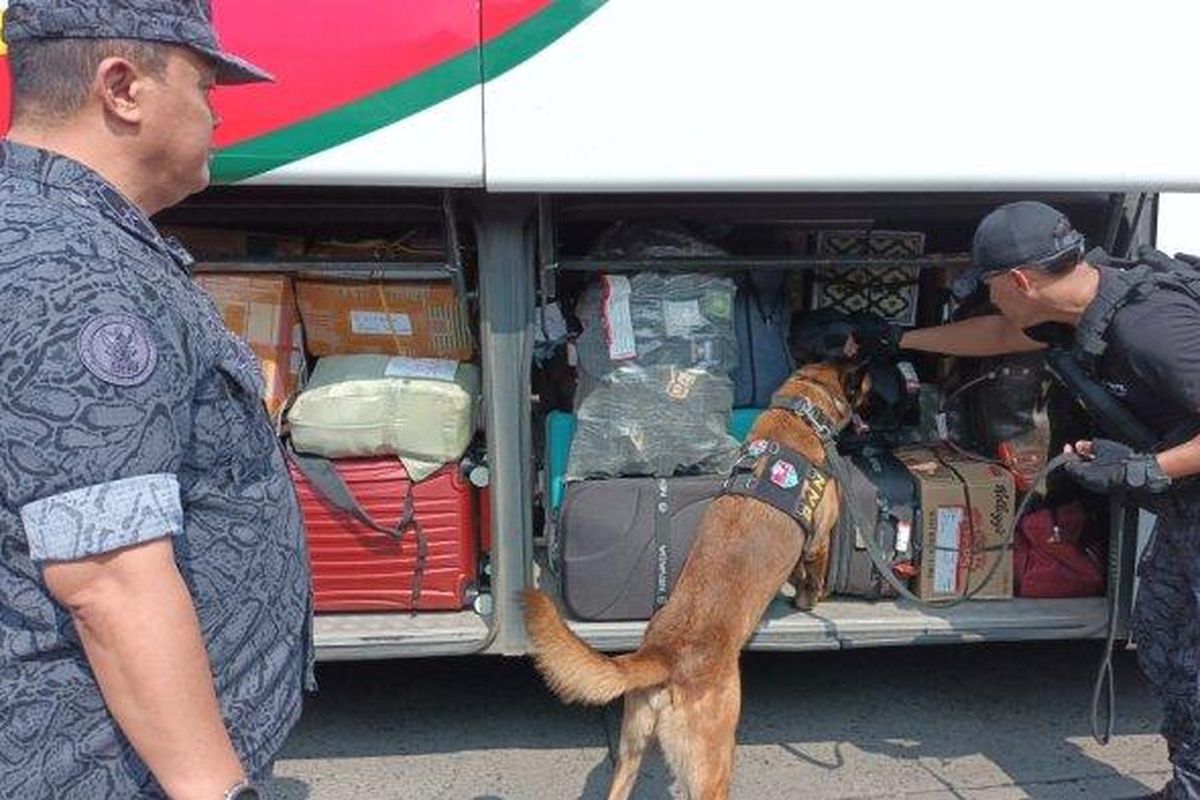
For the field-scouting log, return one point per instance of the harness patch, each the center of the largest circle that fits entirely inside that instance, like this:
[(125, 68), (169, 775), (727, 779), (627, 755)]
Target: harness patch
[(784, 475), (780, 477), (117, 349)]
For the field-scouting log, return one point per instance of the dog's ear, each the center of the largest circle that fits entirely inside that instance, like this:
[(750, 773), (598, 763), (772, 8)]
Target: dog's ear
[(856, 382)]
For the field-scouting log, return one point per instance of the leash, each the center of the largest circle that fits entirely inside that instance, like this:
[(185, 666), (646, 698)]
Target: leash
[(1105, 675), (837, 468), (835, 464), (1104, 686), (1064, 369)]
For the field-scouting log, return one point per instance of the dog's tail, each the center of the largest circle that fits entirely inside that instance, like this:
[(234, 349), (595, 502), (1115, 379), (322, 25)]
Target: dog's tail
[(576, 672)]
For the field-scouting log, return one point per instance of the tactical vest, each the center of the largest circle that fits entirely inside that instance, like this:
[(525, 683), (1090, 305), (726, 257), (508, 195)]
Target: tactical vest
[(1076, 368), (1133, 280)]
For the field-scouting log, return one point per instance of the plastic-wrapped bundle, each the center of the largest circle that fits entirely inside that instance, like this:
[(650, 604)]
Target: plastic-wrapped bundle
[(654, 392), (657, 319), (659, 420)]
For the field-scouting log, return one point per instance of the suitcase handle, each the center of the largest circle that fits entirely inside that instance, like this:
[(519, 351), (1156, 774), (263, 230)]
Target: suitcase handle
[(327, 483)]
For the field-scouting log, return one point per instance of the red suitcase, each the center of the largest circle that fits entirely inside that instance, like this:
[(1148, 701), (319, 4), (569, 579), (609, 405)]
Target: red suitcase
[(358, 568)]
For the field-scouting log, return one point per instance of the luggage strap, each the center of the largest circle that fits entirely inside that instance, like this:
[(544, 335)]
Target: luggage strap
[(662, 544), (328, 483)]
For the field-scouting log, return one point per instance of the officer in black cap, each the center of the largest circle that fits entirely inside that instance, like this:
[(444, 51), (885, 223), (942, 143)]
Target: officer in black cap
[(154, 639), (1144, 347)]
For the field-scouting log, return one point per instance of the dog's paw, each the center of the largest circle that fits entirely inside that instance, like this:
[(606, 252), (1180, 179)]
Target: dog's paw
[(805, 599)]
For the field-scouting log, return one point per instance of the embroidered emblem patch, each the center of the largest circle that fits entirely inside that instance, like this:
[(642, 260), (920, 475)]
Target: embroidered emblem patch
[(784, 475), (116, 348), (757, 447)]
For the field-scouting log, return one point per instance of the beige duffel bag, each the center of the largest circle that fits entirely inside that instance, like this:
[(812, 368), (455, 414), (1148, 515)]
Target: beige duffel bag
[(423, 410)]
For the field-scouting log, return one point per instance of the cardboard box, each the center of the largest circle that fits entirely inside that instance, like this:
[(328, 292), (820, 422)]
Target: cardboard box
[(206, 244), (261, 309), (966, 512), (419, 319)]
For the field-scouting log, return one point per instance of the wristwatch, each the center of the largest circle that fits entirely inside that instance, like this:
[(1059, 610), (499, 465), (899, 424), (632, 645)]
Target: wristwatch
[(243, 790)]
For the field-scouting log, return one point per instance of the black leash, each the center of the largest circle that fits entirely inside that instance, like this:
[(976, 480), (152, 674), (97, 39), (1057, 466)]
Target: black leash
[(1062, 367), (836, 466), (1105, 674)]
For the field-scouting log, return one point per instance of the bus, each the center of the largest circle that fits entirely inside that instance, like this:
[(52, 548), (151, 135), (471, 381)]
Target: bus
[(520, 129)]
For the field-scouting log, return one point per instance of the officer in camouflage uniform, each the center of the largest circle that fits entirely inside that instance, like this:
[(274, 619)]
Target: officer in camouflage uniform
[(154, 593), (1147, 355)]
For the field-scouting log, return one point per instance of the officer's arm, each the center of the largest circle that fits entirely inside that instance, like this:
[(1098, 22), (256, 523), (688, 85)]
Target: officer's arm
[(991, 335), (142, 638), (1181, 460)]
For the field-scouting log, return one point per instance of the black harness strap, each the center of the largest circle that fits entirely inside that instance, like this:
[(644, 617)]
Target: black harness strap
[(780, 477)]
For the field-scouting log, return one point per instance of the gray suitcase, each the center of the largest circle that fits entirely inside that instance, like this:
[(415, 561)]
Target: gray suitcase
[(885, 498), (623, 542)]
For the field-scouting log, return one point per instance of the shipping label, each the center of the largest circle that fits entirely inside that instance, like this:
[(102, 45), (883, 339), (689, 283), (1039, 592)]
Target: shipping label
[(618, 319), (947, 540), (681, 317), (377, 323), (438, 369)]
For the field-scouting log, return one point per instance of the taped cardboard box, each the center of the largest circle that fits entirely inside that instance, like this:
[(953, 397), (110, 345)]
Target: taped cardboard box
[(966, 512), (261, 309), (418, 319)]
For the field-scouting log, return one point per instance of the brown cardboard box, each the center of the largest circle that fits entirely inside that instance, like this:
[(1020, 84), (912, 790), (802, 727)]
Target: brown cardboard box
[(261, 309), (345, 317), (206, 244), (959, 548)]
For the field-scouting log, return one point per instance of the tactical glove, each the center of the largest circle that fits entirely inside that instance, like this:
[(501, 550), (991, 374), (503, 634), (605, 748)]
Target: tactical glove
[(1116, 466)]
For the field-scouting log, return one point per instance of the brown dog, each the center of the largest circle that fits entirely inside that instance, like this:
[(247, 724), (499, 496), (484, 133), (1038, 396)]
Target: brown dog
[(683, 684)]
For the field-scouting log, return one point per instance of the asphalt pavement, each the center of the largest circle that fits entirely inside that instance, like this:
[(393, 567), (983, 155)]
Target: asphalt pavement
[(974, 722)]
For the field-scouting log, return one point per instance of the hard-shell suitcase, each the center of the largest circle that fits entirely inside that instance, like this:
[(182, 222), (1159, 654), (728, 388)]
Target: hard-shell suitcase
[(624, 542), (884, 495), (420, 554)]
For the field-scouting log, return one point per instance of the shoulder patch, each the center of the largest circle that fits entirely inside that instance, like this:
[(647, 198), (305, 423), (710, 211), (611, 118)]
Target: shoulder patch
[(117, 349)]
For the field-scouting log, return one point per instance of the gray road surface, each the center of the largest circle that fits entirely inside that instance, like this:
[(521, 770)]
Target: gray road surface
[(983, 722)]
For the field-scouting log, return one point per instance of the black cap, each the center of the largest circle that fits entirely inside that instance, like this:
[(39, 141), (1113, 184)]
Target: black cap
[(1026, 233), (187, 23)]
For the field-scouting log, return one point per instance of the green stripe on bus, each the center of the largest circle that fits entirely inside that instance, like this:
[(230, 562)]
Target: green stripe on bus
[(374, 112)]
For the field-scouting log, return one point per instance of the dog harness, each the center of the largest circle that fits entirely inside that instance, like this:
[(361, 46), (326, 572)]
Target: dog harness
[(780, 476)]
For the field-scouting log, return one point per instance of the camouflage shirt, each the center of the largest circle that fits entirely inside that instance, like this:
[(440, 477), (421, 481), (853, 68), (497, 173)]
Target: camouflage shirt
[(129, 413)]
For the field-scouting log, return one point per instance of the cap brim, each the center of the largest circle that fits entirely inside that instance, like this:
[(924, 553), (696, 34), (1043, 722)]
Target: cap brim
[(232, 70)]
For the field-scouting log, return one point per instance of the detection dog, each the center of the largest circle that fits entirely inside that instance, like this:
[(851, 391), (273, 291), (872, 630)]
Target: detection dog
[(683, 685)]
